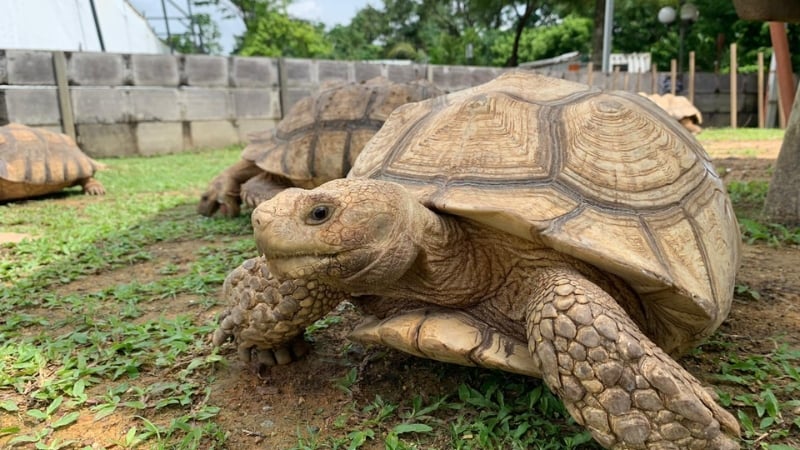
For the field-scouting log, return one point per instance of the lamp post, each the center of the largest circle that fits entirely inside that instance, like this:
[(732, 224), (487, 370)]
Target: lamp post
[(688, 15)]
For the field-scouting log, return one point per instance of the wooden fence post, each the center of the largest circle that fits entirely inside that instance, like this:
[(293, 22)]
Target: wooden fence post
[(673, 76), (760, 90), (691, 77), (734, 99), (64, 98)]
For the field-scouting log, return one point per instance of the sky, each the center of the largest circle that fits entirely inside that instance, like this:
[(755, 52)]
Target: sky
[(329, 12)]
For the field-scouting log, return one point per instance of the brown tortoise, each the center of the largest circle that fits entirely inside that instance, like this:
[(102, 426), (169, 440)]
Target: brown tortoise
[(317, 141), (680, 108), (35, 161), (529, 224)]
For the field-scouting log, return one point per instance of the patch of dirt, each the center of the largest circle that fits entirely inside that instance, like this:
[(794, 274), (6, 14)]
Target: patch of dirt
[(163, 255), (13, 238), (766, 149)]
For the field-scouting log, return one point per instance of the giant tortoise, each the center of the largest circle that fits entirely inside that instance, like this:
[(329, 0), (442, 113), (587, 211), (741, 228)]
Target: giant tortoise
[(35, 161), (529, 224), (317, 141)]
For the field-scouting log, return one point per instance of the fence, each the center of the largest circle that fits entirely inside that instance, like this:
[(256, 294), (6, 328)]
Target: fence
[(134, 104)]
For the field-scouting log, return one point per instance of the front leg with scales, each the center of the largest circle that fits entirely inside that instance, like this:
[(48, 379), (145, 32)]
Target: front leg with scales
[(613, 379), (266, 317)]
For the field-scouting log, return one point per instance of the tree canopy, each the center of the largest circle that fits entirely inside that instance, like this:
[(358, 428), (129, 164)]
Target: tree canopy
[(498, 32)]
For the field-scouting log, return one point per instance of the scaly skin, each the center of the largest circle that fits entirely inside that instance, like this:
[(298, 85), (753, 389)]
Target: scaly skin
[(223, 192), (92, 187), (266, 317), (612, 378)]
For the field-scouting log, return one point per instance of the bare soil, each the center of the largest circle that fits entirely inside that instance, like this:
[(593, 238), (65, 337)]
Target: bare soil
[(267, 410)]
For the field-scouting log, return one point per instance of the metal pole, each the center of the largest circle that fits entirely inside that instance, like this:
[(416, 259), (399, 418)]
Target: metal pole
[(97, 26), (196, 37), (166, 24), (608, 25), (681, 37)]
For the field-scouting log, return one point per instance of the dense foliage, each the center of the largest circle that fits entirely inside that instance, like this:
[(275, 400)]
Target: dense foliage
[(501, 32)]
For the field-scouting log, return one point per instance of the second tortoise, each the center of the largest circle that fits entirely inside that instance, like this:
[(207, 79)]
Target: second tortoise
[(317, 141)]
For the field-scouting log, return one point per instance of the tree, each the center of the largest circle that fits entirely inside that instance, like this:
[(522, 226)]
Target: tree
[(274, 33), (201, 37)]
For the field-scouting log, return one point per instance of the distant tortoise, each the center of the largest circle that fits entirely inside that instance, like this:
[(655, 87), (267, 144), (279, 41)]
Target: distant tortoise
[(34, 162), (317, 141), (680, 108), (529, 224)]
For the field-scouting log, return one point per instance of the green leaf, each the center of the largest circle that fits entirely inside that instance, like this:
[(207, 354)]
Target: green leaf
[(9, 430), (54, 405), (771, 403), (25, 439), (66, 419), (104, 411), (9, 405), (412, 428), (37, 414), (130, 436)]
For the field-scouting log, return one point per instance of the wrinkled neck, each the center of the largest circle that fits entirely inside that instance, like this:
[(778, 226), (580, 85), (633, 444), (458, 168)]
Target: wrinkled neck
[(453, 264)]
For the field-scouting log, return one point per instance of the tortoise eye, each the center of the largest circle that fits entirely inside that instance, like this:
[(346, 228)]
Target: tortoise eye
[(319, 214)]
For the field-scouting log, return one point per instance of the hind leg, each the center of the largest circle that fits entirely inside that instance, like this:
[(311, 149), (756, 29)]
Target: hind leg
[(612, 378)]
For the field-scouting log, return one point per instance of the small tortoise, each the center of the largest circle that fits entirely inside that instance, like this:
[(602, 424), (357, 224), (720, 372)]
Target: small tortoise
[(34, 162), (680, 108), (529, 224), (317, 141)]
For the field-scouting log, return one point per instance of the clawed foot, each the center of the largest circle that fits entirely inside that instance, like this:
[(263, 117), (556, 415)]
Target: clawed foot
[(93, 187), (265, 317)]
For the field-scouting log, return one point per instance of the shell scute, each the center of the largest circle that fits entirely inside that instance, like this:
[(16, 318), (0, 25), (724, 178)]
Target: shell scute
[(39, 157)]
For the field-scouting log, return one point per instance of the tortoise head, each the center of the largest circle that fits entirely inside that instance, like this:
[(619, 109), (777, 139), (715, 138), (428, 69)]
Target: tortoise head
[(217, 198), (350, 234)]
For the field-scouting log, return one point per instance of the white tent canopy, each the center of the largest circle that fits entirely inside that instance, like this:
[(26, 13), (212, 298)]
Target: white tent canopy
[(70, 25)]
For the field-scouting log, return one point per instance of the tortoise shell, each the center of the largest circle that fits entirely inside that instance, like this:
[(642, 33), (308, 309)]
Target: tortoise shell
[(606, 177), (35, 161), (321, 136)]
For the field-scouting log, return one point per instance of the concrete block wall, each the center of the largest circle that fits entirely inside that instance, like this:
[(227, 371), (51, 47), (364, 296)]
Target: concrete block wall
[(127, 105), (135, 104)]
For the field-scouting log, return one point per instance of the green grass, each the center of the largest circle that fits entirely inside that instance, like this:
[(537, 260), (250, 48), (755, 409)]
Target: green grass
[(66, 354), (748, 202), (739, 134)]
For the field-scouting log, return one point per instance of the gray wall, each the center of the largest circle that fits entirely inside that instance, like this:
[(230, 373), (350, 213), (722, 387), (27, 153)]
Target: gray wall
[(132, 104)]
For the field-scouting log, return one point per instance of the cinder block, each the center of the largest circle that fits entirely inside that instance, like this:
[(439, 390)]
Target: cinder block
[(298, 71), (96, 69), (293, 96), (154, 70), (107, 140), (256, 103), (405, 73), (333, 70), (159, 138), (254, 72), (366, 71), (30, 105), (204, 70), (213, 134), (3, 68), (149, 104), (246, 127), (100, 105), (206, 104), (453, 78), (28, 67)]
